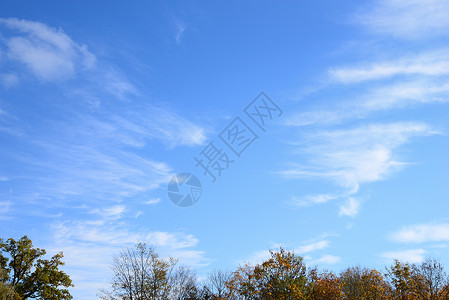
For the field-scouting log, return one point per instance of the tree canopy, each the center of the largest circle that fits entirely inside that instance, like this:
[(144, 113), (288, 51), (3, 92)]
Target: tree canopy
[(25, 274), (141, 274)]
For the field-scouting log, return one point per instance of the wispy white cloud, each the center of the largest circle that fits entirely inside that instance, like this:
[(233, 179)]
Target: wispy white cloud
[(89, 247), (433, 63), (406, 19), (83, 260), (9, 80), (173, 129), (303, 250), (112, 212), (50, 54), (153, 201), (388, 79), (116, 84), (410, 256), (404, 94), (412, 79), (316, 117), (396, 95), (421, 233), (350, 157), (350, 207), (327, 259), (10, 124), (173, 241), (90, 154), (195, 258), (257, 257), (4, 207), (97, 172), (180, 28), (312, 199), (135, 127), (314, 246), (102, 231)]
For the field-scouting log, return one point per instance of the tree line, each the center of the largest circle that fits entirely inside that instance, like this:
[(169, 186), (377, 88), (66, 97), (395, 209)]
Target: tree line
[(140, 273)]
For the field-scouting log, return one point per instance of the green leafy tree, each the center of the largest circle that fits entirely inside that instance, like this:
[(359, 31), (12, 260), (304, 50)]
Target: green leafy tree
[(28, 275), (7, 293)]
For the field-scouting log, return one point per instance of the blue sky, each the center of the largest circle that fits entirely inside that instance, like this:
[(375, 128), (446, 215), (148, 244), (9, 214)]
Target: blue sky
[(102, 103)]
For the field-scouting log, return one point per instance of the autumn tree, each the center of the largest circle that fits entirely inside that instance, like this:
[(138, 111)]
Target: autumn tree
[(374, 286), (25, 274), (351, 280), (139, 273), (430, 280), (444, 292), (364, 283), (7, 293), (323, 286), (242, 284), (282, 276), (403, 280)]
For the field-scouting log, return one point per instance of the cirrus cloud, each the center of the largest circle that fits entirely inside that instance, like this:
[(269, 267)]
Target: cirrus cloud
[(51, 55)]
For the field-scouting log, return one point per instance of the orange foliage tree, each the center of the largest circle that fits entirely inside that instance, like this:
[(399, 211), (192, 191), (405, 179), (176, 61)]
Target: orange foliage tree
[(282, 276), (324, 286)]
